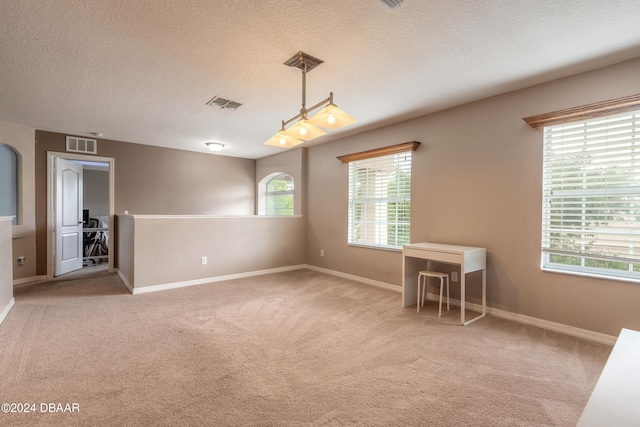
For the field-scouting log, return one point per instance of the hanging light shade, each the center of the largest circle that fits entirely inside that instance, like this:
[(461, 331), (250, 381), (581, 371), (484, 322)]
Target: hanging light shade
[(283, 140), (331, 117), (304, 130)]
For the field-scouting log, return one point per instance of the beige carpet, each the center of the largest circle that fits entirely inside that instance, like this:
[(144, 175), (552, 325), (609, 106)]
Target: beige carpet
[(290, 349)]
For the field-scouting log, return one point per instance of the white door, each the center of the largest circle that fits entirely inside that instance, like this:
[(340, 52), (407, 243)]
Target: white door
[(68, 217)]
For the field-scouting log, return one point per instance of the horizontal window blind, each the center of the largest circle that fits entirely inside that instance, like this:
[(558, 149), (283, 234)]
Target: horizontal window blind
[(591, 196), (380, 200)]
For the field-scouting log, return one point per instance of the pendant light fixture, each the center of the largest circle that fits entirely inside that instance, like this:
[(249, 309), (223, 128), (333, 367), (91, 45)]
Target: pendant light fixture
[(306, 129)]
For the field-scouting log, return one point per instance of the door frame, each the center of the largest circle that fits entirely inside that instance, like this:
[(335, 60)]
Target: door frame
[(51, 156)]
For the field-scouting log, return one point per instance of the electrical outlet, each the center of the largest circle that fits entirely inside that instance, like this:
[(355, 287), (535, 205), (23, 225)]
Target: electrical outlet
[(21, 260), (454, 276), (204, 260), (321, 252)]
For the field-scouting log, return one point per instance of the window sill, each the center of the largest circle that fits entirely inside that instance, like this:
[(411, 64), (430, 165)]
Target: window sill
[(380, 248), (591, 275)]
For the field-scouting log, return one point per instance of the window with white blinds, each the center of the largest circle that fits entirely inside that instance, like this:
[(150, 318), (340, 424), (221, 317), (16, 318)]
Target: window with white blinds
[(591, 197), (380, 201)]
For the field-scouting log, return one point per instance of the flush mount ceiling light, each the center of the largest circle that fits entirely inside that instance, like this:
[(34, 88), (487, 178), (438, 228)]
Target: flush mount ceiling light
[(215, 146), (308, 128)]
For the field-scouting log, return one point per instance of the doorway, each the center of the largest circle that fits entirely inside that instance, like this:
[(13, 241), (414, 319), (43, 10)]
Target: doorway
[(96, 208)]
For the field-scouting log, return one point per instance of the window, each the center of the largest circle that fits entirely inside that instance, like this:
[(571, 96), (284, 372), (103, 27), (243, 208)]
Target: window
[(278, 195), (591, 196), (380, 199), (8, 182)]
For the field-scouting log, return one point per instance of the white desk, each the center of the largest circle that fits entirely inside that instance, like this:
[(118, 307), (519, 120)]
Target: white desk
[(614, 401), (468, 258)]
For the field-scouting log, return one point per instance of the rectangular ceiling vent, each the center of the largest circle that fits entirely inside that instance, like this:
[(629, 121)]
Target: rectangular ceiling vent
[(393, 4), (223, 103), (82, 145)]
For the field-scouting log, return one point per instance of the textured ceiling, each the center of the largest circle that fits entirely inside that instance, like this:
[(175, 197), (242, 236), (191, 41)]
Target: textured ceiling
[(142, 70)]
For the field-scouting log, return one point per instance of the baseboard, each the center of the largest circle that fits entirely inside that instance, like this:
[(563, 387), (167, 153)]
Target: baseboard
[(534, 321), (553, 326), (29, 280), (175, 285), (376, 283), (6, 310), (503, 314)]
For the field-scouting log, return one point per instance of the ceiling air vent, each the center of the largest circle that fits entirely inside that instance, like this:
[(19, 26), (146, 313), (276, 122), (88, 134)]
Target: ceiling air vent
[(393, 4), (223, 103), (82, 145)]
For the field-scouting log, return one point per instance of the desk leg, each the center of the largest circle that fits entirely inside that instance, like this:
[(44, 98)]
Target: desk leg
[(418, 297), (409, 281), (484, 291), (484, 299), (463, 295)]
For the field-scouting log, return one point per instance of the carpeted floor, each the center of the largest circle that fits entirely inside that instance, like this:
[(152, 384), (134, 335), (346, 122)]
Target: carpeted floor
[(288, 349)]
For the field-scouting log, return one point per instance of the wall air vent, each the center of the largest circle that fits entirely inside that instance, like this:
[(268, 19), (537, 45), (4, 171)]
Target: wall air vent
[(223, 103), (82, 145), (393, 4)]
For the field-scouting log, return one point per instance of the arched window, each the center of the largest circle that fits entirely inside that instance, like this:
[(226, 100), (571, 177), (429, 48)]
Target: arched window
[(8, 182), (276, 195)]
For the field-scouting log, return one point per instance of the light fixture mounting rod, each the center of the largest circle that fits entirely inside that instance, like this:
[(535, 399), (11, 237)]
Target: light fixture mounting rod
[(303, 61), (303, 110), (328, 100)]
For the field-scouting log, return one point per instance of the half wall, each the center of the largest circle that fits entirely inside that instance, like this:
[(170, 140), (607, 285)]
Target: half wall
[(163, 252)]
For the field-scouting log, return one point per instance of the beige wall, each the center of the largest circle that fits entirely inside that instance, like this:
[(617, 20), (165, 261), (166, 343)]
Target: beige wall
[(21, 139), (125, 229), (165, 250), (159, 181), (477, 180)]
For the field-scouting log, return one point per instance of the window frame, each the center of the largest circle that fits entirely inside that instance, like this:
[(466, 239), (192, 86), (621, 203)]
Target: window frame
[(15, 178), (265, 195), (601, 202), (387, 157)]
